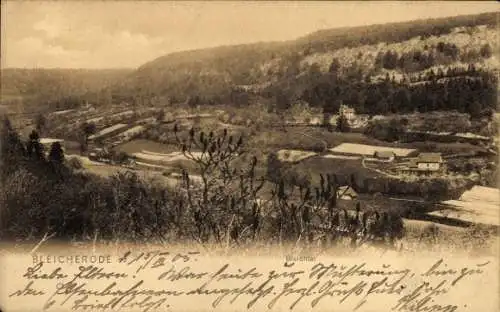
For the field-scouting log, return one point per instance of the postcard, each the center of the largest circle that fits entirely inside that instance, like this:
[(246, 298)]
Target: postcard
[(260, 156)]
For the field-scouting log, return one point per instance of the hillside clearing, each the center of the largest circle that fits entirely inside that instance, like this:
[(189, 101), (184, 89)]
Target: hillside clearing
[(138, 145), (164, 158)]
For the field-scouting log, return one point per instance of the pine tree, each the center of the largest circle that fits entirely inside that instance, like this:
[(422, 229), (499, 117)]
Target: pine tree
[(12, 150), (34, 147), (41, 123), (56, 153), (342, 124), (87, 129), (274, 167)]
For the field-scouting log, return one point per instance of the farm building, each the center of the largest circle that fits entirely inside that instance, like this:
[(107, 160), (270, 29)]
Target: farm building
[(429, 161), (384, 155), (425, 163), (346, 192)]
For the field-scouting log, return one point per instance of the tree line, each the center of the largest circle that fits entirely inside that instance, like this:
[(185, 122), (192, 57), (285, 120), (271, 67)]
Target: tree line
[(465, 90), (442, 53)]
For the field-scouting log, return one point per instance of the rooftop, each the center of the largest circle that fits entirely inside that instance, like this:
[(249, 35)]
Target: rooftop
[(413, 166), (346, 190), (430, 157), (384, 154)]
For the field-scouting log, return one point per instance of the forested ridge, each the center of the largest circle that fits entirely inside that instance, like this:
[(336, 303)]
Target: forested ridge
[(441, 64), (424, 65)]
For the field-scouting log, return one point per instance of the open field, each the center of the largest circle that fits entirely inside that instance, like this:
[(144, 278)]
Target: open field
[(174, 156), (306, 138), (369, 150), (138, 145), (316, 165)]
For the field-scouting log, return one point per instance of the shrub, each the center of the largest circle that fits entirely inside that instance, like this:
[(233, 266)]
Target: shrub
[(75, 163)]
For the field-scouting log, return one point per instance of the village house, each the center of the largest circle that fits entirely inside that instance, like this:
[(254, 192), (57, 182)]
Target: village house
[(347, 112), (346, 192)]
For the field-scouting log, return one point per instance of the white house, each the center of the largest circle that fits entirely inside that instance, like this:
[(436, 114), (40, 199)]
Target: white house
[(347, 111), (429, 161)]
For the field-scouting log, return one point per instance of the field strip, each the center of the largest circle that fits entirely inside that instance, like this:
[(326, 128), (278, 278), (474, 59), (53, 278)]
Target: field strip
[(341, 157), (378, 171), (172, 155), (152, 166), (363, 149), (160, 154), (165, 157), (108, 130)]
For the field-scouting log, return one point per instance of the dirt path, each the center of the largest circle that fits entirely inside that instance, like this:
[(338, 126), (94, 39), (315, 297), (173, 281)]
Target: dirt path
[(378, 171)]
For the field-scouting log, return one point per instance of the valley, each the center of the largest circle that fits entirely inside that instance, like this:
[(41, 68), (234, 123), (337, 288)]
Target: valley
[(292, 140)]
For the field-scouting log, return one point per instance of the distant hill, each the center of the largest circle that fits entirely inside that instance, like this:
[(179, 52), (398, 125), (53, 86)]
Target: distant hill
[(218, 75), (37, 87), (375, 68)]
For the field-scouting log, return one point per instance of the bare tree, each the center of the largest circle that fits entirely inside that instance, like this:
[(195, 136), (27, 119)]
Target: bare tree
[(87, 130), (224, 202)]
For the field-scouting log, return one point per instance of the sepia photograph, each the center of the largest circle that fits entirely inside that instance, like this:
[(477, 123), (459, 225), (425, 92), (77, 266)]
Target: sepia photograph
[(292, 155)]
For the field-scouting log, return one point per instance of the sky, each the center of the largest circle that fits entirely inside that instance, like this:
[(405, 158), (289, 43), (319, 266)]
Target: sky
[(127, 34)]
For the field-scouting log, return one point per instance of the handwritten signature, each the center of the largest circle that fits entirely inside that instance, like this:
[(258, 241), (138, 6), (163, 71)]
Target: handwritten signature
[(175, 275)]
